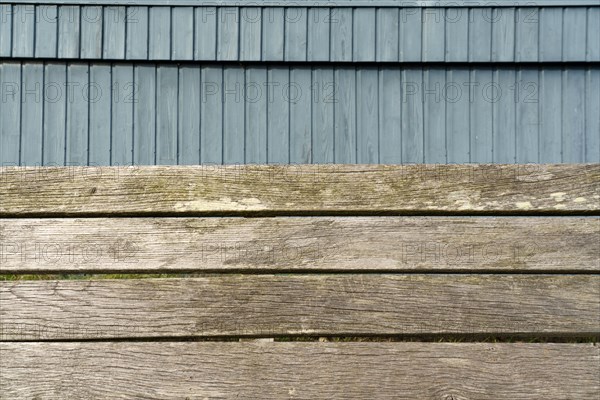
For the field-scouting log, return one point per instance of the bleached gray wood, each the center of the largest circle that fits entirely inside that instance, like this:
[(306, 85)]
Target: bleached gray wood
[(551, 31), (32, 108), (527, 34), (211, 104), (55, 109), (411, 25), (144, 115), (319, 22), (76, 135), (323, 98), (68, 31), (250, 33), (100, 127), (434, 115), (10, 123), (503, 34), (123, 99), (160, 33), (115, 20), (300, 304), (206, 33), (363, 35), (255, 116), (341, 35), (23, 22), (296, 34), (397, 244), (434, 27), (352, 188), (167, 86), (301, 115), (45, 31), (345, 116), (457, 115), (189, 115), (92, 18), (173, 370), (273, 31), (367, 120), (390, 96), (233, 116), (137, 33), (228, 22), (182, 33), (387, 34)]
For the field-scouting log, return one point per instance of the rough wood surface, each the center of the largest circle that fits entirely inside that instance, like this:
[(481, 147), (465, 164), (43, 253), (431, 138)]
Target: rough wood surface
[(297, 189), (288, 304), (212, 370), (301, 243)]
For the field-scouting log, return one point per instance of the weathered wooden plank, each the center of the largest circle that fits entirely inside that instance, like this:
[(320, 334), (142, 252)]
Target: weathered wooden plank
[(299, 304), (259, 370), (302, 243), (299, 189)]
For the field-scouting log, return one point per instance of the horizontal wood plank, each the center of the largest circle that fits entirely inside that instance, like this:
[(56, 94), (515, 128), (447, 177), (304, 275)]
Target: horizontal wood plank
[(213, 370), (299, 189), (289, 304), (300, 243)]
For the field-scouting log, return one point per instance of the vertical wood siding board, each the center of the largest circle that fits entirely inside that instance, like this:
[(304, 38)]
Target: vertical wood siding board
[(91, 32), (206, 33), (480, 34), (593, 34), (457, 115), (273, 19), (182, 33), (527, 34), (211, 115), (410, 34), (137, 33), (527, 118), (457, 34), (10, 123), (322, 115), (503, 34), (592, 116), (250, 33), (189, 115), (345, 116), (481, 115), (123, 91), (228, 23), (32, 112), (233, 115), (256, 115), (573, 118), (387, 34), (144, 115), (166, 114), (551, 25), (550, 118), (46, 20), (364, 34), (504, 134), (68, 31), (277, 116), (434, 28), (77, 114), (296, 34), (412, 115), (318, 33), (114, 32), (390, 122), (160, 33), (342, 35), (368, 115), (574, 35), (6, 22), (300, 116), (54, 114), (435, 116), (23, 30), (99, 118)]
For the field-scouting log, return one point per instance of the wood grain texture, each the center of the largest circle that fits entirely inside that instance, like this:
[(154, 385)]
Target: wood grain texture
[(324, 304), (299, 189), (505, 244), (250, 370)]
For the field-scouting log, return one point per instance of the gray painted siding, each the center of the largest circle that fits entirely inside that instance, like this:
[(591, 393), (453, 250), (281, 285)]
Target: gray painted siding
[(100, 114), (335, 34)]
